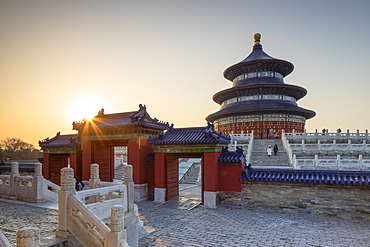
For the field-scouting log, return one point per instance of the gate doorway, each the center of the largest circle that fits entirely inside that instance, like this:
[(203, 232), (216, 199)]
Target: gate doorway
[(184, 182)]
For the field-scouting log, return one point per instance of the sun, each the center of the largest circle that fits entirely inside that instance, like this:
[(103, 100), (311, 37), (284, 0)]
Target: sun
[(84, 109)]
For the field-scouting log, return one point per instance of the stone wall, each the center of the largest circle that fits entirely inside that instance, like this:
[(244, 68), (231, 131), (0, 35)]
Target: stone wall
[(345, 201)]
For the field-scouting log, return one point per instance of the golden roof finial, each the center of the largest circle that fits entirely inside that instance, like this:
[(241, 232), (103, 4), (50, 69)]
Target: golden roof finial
[(257, 38)]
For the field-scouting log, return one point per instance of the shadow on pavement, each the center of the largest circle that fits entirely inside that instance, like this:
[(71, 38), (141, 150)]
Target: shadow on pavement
[(189, 198)]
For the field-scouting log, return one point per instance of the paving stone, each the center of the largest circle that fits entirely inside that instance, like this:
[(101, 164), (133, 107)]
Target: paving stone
[(229, 225)]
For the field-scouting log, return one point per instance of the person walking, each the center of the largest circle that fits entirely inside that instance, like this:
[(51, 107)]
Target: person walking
[(276, 149), (269, 150)]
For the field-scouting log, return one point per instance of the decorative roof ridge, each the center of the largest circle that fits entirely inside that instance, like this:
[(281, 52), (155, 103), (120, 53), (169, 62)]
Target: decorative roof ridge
[(188, 135), (228, 156), (123, 119), (73, 139)]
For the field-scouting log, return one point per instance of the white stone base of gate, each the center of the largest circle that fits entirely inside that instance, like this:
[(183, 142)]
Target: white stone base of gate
[(159, 194), (210, 199), (141, 192)]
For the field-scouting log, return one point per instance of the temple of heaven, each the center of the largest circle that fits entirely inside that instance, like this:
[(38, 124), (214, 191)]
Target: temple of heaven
[(259, 99)]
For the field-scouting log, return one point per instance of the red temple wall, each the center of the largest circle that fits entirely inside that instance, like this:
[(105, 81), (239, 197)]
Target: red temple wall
[(211, 172), (261, 127), (229, 177)]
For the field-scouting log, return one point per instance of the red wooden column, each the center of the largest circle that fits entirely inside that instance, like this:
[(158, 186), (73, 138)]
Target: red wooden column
[(160, 177), (75, 163), (87, 159), (138, 151), (46, 166), (210, 179)]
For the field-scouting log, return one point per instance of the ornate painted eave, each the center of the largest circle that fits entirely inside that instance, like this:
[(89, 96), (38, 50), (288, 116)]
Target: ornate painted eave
[(284, 89), (260, 108)]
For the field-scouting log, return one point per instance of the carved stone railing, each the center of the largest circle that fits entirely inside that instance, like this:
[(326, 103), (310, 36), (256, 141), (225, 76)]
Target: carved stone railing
[(89, 230), (27, 188), (24, 188), (331, 148), (250, 148), (315, 136), (317, 163), (287, 148), (50, 191), (241, 137), (243, 140), (85, 214)]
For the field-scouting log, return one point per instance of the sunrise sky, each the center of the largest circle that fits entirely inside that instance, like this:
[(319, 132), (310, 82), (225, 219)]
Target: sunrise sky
[(62, 60)]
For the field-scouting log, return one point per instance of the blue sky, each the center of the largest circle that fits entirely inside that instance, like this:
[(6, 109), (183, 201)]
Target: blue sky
[(62, 59)]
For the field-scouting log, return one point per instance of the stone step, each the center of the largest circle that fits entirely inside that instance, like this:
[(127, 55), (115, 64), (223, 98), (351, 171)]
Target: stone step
[(192, 176), (259, 157)]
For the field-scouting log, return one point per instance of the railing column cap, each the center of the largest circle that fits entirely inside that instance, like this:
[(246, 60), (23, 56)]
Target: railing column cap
[(117, 218), (38, 169), (28, 237), (67, 180), (14, 168), (127, 177)]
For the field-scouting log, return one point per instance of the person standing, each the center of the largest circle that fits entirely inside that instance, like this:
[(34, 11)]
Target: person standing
[(269, 150), (271, 133), (276, 149)]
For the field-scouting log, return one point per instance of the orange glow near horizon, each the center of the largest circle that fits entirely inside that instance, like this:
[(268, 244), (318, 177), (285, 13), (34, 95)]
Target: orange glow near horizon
[(84, 109)]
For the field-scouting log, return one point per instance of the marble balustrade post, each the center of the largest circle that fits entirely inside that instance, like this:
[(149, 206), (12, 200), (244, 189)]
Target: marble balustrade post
[(28, 237), (118, 233), (94, 176), (127, 179), (14, 172), (37, 182), (67, 188)]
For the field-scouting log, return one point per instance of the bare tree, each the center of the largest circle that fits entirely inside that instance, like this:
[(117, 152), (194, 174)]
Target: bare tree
[(17, 149)]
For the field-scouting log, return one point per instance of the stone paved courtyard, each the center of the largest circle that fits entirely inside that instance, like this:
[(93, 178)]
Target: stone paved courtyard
[(14, 216), (228, 225)]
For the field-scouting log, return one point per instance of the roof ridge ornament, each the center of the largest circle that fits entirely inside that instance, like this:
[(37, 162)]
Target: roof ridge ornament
[(257, 38), (257, 42)]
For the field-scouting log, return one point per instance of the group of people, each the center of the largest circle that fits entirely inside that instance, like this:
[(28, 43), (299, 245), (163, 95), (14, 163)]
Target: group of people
[(270, 133), (275, 149)]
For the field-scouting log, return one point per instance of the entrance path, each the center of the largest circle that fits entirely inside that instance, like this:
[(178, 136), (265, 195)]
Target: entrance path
[(231, 225)]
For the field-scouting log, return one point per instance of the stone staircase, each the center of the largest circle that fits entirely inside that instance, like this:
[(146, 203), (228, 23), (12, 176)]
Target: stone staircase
[(260, 159), (191, 177)]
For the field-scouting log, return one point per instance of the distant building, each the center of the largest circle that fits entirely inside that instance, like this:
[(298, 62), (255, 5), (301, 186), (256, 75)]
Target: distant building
[(259, 99)]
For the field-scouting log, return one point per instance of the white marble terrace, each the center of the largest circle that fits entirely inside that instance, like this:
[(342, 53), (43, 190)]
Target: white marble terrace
[(328, 151)]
